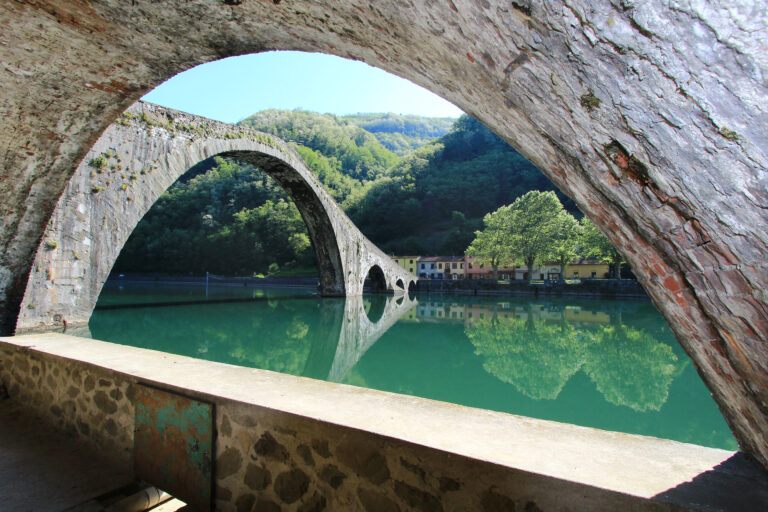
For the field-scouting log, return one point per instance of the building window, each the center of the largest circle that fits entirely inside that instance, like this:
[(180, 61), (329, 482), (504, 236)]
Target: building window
[(439, 265), (575, 274), (594, 275), (461, 265), (470, 265), (453, 265), (431, 265), (411, 261)]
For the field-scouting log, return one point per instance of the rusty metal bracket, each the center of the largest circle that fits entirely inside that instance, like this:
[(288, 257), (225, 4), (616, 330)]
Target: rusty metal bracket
[(174, 444)]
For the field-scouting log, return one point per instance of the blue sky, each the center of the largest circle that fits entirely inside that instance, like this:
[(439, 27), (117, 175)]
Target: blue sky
[(231, 89)]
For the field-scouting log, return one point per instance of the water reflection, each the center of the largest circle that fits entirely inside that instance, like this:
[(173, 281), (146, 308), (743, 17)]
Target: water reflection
[(294, 334), (538, 350), (611, 365)]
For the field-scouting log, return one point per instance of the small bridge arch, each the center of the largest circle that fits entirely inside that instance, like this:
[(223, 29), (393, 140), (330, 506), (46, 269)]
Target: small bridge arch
[(130, 166)]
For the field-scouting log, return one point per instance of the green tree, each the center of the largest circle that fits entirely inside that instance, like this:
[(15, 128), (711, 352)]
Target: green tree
[(491, 244), (595, 244), (567, 240), (533, 227)]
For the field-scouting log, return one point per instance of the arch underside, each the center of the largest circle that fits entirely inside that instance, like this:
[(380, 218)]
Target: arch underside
[(321, 230), (651, 117)]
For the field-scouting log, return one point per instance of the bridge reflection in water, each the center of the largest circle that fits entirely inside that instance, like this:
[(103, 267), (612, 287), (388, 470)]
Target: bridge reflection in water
[(611, 365)]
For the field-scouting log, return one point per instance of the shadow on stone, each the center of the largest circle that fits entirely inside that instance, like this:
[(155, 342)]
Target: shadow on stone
[(737, 484)]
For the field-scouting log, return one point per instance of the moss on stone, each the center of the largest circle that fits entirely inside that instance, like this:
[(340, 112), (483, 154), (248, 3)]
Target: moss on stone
[(590, 101), (99, 163), (728, 133)]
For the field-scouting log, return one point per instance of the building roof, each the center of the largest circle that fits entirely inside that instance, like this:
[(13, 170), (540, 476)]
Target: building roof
[(587, 261), (442, 258)]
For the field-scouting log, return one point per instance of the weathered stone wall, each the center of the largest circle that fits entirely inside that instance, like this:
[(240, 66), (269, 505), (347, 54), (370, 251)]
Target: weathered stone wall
[(125, 172), (650, 115), (90, 402), (297, 454)]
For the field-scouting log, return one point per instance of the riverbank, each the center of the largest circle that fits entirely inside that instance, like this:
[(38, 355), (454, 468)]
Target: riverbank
[(594, 288), (214, 280)]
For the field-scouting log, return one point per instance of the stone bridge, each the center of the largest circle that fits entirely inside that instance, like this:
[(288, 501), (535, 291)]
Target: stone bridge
[(131, 165), (650, 115)]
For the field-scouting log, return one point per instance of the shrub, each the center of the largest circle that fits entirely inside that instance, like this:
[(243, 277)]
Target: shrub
[(99, 163)]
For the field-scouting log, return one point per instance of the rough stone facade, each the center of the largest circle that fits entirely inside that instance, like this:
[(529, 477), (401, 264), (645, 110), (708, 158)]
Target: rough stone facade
[(650, 115), (125, 172), (271, 456)]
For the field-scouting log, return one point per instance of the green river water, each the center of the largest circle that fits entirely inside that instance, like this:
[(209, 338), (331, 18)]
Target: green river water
[(612, 365)]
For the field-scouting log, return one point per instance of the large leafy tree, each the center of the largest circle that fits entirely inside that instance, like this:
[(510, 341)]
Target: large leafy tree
[(534, 225), (595, 244), (533, 228), (491, 245), (567, 240)]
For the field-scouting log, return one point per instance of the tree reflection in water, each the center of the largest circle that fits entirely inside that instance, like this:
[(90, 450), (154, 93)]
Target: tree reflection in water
[(538, 356)]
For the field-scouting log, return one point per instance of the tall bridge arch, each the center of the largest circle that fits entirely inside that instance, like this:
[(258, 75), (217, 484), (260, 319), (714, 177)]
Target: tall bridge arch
[(139, 157), (650, 115)]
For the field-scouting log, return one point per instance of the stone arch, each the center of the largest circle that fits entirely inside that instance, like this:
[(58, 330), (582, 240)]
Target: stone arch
[(662, 146), (412, 287), (375, 280), (399, 283), (313, 209), (151, 148)]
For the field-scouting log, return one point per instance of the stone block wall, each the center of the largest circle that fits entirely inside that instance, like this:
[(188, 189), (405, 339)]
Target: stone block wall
[(92, 403), (268, 459)]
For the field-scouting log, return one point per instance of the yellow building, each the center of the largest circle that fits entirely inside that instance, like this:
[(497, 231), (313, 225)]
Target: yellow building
[(407, 262), (451, 267), (587, 268)]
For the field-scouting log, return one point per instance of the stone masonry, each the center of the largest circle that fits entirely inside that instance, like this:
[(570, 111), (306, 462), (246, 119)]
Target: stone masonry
[(650, 115), (125, 172)]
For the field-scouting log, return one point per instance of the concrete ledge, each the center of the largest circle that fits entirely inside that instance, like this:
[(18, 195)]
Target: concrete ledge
[(652, 469)]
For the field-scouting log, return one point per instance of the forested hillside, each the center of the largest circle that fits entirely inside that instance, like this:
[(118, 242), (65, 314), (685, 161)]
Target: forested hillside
[(434, 199), (402, 134), (225, 217)]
